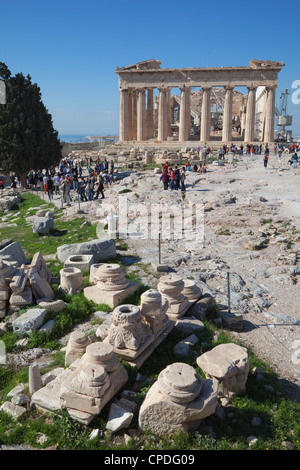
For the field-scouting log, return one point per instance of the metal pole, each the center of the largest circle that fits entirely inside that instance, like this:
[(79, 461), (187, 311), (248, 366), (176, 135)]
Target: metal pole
[(159, 249), (228, 291)]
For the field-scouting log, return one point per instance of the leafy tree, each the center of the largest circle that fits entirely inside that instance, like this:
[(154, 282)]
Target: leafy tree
[(28, 140)]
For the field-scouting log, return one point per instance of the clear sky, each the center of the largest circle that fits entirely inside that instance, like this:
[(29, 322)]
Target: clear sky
[(71, 48)]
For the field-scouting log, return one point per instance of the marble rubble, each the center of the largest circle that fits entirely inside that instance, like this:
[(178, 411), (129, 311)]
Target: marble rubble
[(102, 250), (178, 401), (71, 281), (135, 332), (171, 287), (229, 364), (23, 284), (86, 386), (111, 286)]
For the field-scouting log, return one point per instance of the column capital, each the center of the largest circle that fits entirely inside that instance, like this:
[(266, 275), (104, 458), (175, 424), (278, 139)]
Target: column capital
[(228, 87), (185, 88), (206, 88)]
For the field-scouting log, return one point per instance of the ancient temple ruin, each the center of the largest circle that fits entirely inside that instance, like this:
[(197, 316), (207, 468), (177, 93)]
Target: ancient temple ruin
[(150, 113)]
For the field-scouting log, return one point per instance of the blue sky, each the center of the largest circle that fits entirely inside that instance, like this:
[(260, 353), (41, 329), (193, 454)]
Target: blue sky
[(71, 48)]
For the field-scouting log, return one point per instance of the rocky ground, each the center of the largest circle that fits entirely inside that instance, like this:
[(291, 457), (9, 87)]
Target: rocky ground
[(251, 229)]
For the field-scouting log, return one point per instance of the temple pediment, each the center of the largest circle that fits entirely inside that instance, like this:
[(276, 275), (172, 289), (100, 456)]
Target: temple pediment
[(145, 65)]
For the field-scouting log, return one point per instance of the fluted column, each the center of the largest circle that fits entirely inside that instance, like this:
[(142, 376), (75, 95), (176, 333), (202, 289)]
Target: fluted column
[(134, 114), (205, 116), (270, 115), (250, 115), (141, 115), (150, 116), (161, 131), (129, 114), (123, 131), (227, 115), (185, 114)]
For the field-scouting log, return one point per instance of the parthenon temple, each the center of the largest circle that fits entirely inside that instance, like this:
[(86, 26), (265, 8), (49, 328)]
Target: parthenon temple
[(210, 108)]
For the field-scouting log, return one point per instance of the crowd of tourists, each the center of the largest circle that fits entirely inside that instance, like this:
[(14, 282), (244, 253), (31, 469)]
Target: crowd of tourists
[(174, 177), (74, 179)]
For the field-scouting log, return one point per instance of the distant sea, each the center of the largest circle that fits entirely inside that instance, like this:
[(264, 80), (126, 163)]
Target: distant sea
[(77, 138)]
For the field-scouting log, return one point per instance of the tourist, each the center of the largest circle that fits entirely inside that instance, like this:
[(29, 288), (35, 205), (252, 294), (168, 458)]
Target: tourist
[(266, 159), (45, 180), (81, 190), (90, 188), (100, 188), (176, 178), (50, 187), (295, 160), (165, 179), (67, 196), (182, 179), (56, 181), (1, 184), (172, 179), (165, 167)]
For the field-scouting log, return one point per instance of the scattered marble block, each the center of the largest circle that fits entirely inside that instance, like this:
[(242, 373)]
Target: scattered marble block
[(29, 321), (71, 281), (132, 338), (111, 286), (178, 401), (14, 252), (153, 310), (86, 386), (41, 289), (111, 298), (118, 418), (22, 299), (47, 327), (93, 270), (39, 264), (79, 261), (191, 290), (232, 320), (13, 410), (171, 287), (52, 305), (43, 225), (111, 277), (76, 347), (229, 364), (34, 378), (102, 250), (18, 280), (203, 306), (160, 268)]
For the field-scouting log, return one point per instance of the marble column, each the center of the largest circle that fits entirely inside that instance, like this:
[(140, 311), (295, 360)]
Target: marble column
[(227, 115), (243, 117), (141, 115), (134, 114), (150, 115), (270, 115), (123, 132), (185, 115), (162, 118), (250, 115), (205, 116), (130, 136)]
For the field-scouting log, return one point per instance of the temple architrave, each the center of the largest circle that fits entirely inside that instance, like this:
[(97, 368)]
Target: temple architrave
[(147, 106)]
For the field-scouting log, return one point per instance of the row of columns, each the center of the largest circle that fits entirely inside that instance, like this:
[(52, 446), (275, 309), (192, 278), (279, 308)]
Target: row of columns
[(137, 115)]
